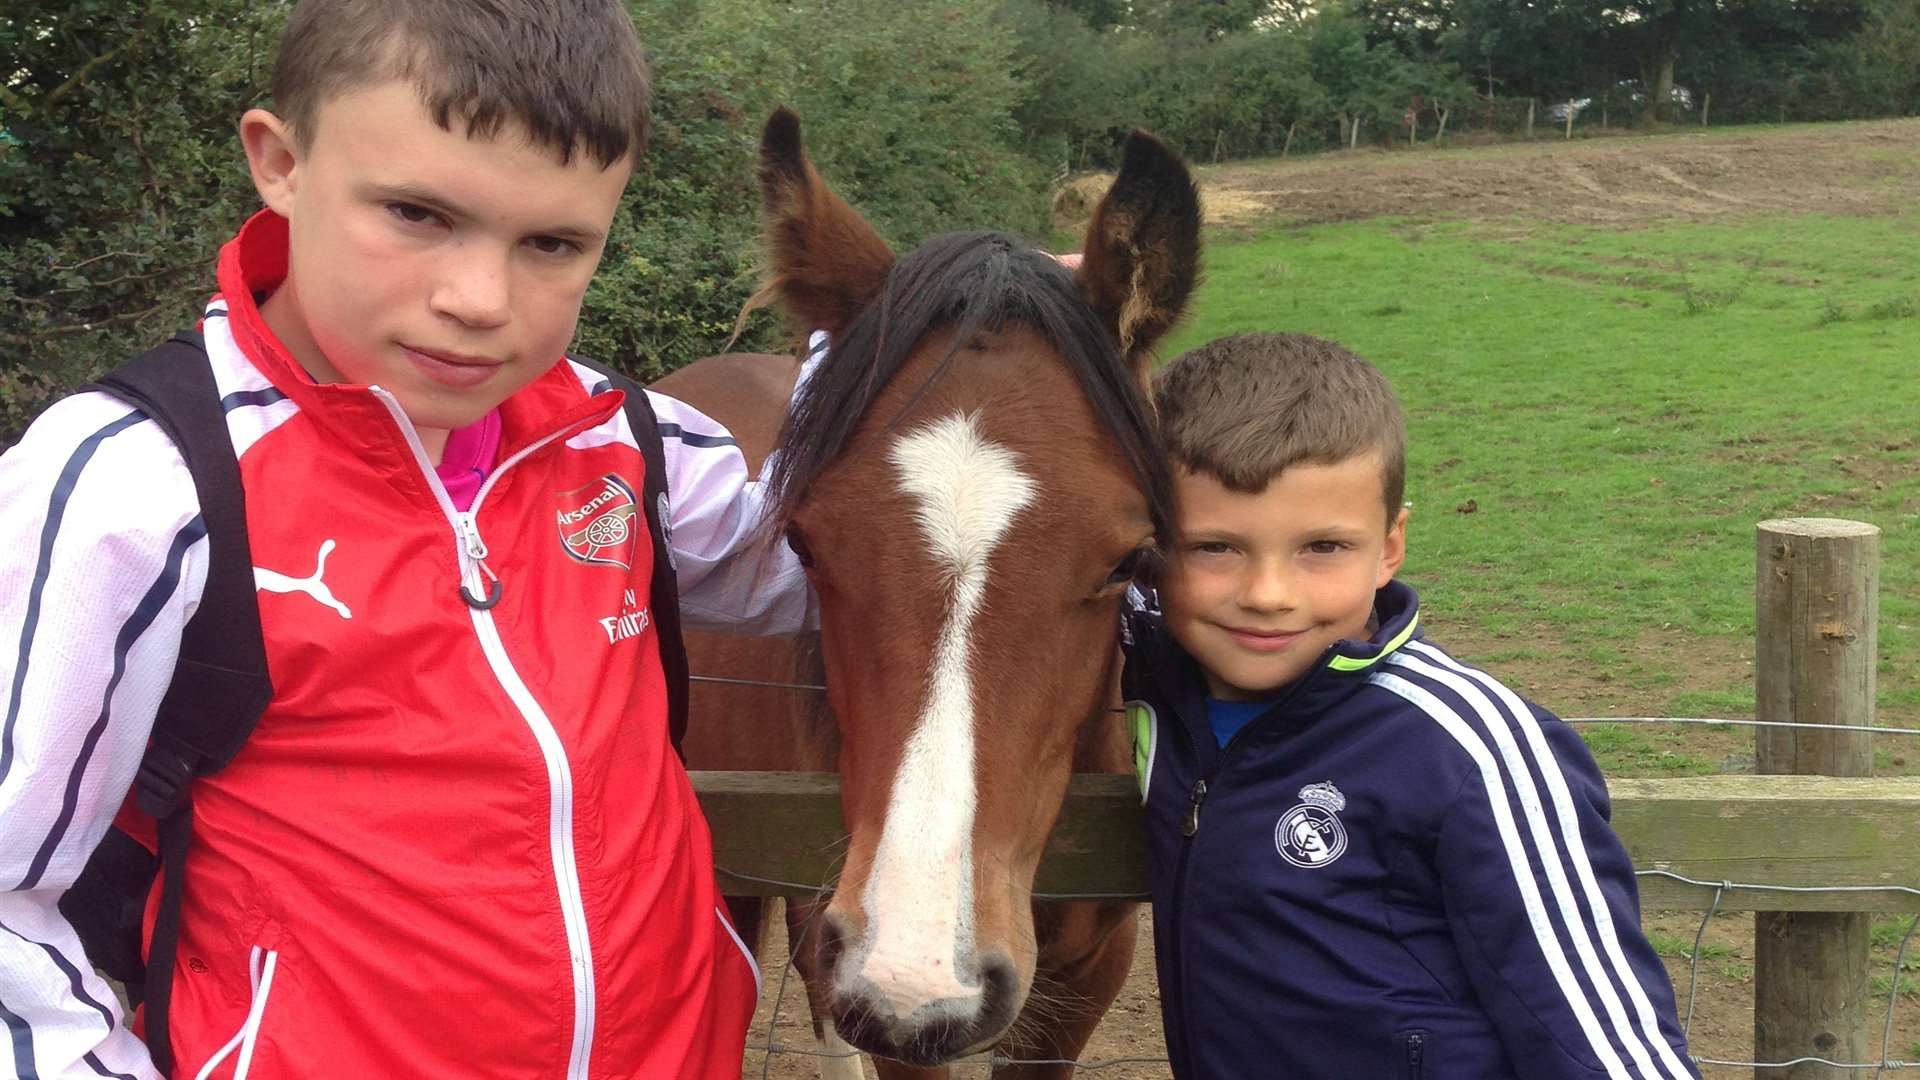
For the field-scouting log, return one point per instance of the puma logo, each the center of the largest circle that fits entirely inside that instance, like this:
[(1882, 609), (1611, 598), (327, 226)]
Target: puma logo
[(275, 581)]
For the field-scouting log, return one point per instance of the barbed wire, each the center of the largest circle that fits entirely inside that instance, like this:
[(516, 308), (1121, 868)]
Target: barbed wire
[(1731, 886), (1878, 1067), (724, 680), (770, 1047), (798, 887), (1709, 720)]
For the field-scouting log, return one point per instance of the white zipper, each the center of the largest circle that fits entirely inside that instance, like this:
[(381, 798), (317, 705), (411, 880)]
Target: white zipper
[(471, 550)]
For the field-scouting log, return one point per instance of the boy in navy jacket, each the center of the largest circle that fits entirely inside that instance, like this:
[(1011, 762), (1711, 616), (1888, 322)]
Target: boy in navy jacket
[(1370, 860)]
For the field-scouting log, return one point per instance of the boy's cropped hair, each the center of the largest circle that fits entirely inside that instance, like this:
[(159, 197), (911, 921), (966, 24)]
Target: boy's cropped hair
[(572, 72), (1244, 408)]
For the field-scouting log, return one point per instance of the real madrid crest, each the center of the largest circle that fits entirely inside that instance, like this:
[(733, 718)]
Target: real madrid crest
[(599, 523), (1310, 835)]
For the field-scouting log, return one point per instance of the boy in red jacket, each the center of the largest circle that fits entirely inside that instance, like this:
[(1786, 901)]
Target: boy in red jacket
[(458, 842)]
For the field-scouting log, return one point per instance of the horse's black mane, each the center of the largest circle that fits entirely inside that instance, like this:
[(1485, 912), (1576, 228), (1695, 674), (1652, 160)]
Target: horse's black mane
[(975, 282)]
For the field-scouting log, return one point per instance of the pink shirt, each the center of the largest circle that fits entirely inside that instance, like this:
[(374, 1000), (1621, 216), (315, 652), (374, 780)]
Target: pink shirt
[(471, 453)]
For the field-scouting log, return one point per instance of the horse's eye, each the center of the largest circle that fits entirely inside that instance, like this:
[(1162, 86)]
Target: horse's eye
[(799, 545), (1129, 568)]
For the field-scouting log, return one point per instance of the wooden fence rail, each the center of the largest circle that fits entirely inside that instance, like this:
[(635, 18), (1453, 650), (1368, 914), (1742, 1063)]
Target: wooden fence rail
[(1795, 831)]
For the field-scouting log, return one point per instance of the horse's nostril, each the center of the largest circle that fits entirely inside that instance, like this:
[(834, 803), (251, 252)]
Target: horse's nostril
[(832, 931), (999, 995)]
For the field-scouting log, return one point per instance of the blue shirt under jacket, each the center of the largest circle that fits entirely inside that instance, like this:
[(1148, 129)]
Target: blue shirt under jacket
[(1226, 718), (1400, 871)]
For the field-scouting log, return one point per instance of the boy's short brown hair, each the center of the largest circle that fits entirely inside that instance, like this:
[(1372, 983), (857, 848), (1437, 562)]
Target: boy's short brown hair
[(570, 71), (1243, 408)]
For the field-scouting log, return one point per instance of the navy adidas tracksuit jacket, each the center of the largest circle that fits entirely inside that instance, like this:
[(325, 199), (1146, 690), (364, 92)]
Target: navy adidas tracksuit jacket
[(1401, 871)]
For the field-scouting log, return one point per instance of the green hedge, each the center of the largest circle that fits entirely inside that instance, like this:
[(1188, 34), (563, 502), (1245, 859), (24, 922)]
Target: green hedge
[(119, 177), (120, 173)]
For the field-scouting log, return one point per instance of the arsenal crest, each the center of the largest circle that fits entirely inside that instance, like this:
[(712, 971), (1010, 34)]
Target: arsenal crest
[(598, 523)]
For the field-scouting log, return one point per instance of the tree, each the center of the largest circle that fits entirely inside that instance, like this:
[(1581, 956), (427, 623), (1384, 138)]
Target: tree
[(1209, 17), (1660, 34), (1582, 48), (1360, 80), (1072, 109), (1437, 85), (1556, 49), (1096, 14), (1884, 59)]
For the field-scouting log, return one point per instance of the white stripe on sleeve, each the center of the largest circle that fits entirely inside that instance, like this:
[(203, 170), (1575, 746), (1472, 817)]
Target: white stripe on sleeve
[(1568, 820), (733, 575), (1551, 858), (101, 564), (1537, 918)]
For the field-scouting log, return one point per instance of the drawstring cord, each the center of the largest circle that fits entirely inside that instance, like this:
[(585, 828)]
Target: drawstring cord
[(262, 979)]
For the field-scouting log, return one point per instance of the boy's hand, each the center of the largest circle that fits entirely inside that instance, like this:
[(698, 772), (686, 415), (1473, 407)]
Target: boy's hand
[(1071, 260)]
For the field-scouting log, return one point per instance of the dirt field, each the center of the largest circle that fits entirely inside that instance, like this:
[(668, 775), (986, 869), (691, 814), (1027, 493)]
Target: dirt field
[(1854, 169), (1859, 168)]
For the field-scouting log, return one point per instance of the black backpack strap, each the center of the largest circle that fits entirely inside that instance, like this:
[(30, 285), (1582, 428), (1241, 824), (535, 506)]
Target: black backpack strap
[(220, 686), (656, 503), (666, 579), (220, 683)]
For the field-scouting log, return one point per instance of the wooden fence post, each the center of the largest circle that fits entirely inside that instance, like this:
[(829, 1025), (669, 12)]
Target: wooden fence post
[(1530, 103), (1817, 608)]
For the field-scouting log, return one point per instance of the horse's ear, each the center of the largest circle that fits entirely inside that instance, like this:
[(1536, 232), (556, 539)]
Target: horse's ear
[(827, 263), (1143, 247)]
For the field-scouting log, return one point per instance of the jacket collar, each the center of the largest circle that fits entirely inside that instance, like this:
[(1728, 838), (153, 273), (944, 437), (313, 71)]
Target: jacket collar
[(1396, 607), (1340, 672), (255, 262)]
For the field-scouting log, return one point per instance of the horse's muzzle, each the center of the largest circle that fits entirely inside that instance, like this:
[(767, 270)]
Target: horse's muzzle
[(866, 1014)]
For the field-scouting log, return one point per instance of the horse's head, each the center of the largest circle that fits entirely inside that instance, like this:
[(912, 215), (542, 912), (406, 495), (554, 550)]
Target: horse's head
[(972, 479)]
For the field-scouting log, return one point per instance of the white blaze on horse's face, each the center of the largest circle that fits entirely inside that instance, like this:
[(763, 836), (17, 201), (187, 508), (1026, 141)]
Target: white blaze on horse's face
[(918, 948)]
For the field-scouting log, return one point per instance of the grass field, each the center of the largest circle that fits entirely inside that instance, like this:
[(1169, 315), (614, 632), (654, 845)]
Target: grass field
[(1598, 418)]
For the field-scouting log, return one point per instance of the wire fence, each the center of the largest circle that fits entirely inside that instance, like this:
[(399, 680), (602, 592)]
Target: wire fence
[(771, 1047), (1712, 721), (1720, 889), (1707, 721)]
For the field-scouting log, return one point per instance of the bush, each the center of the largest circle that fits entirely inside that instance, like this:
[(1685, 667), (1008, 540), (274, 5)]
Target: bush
[(907, 109), (119, 178)]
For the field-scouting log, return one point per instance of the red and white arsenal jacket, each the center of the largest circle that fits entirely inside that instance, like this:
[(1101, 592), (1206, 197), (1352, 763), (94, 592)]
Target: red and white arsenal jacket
[(458, 843)]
